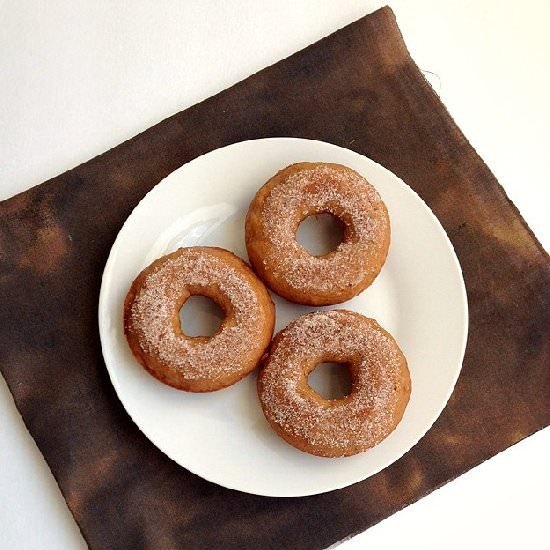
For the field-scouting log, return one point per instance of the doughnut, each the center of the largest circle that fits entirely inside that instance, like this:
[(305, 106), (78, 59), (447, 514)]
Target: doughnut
[(305, 189), (380, 392), (198, 364)]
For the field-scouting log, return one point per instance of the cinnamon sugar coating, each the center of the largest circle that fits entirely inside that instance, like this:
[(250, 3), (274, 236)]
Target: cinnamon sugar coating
[(198, 364), (380, 384), (305, 189)]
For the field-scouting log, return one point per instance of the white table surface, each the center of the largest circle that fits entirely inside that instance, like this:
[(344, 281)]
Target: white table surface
[(77, 78)]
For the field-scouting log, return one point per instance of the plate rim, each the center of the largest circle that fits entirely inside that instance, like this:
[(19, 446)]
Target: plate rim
[(107, 275)]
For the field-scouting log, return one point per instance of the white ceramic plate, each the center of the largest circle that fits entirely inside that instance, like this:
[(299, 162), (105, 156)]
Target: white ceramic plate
[(222, 436)]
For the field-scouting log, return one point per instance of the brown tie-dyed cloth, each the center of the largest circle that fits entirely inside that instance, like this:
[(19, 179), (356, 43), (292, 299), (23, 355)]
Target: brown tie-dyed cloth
[(357, 88)]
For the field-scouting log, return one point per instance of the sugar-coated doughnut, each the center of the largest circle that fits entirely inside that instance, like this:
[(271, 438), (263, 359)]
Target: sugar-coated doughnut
[(306, 189), (380, 392), (198, 364)]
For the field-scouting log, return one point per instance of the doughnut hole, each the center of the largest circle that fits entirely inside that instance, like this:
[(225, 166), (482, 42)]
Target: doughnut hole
[(201, 316), (320, 234), (331, 380)]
